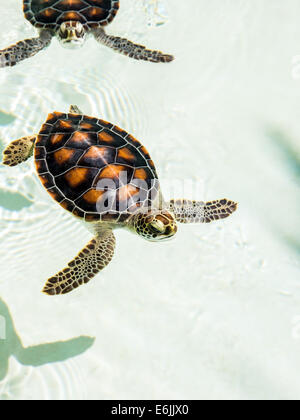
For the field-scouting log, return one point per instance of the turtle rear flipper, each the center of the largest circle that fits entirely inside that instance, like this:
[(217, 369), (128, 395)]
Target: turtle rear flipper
[(123, 46), (92, 259), (75, 110), (12, 55), (188, 211), (18, 151)]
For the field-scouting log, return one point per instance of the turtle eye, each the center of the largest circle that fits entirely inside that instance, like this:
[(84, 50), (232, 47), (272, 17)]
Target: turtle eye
[(79, 28), (157, 226)]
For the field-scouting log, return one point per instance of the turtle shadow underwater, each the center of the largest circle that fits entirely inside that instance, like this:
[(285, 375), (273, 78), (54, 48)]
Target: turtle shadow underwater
[(290, 160), (35, 356)]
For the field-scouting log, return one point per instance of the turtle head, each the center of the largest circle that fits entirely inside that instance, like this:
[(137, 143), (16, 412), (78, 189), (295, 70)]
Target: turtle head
[(154, 226), (71, 34)]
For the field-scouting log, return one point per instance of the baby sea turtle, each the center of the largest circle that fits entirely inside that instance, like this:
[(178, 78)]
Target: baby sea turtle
[(71, 21), (106, 178)]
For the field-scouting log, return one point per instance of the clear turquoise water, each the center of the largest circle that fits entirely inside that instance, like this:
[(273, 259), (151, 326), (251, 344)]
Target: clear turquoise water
[(216, 312)]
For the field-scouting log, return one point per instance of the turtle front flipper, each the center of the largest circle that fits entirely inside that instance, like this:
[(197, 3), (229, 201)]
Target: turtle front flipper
[(123, 46), (12, 55), (18, 151), (188, 211), (92, 259)]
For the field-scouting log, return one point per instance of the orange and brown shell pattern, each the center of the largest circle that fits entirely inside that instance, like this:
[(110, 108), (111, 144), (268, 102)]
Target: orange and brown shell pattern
[(94, 169), (50, 14)]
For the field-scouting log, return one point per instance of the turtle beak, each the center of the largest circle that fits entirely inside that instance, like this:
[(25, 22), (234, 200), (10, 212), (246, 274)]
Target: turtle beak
[(71, 34)]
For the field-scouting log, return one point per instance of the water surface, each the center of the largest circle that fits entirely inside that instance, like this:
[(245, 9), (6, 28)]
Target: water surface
[(214, 313)]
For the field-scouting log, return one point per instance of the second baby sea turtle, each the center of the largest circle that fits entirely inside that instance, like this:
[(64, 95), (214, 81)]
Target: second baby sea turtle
[(106, 178), (71, 21)]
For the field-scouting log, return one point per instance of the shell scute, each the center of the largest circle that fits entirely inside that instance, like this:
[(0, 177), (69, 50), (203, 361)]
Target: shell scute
[(119, 131), (40, 153), (78, 213), (47, 15), (130, 156), (144, 178), (113, 176), (92, 200), (45, 129), (145, 152), (132, 140), (108, 138), (37, 5), (57, 141), (96, 172), (41, 166), (61, 160), (95, 13), (47, 180), (51, 13), (105, 124), (66, 16), (89, 125), (89, 217), (54, 116), (98, 156), (65, 125), (76, 181), (55, 194), (127, 192), (67, 205), (75, 4), (82, 140)]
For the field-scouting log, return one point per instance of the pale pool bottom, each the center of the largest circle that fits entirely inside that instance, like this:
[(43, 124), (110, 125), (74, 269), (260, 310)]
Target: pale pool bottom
[(214, 313)]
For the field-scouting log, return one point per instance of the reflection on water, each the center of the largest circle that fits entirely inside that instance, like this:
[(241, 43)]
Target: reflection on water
[(13, 201), (208, 315), (157, 12), (6, 118), (290, 157), (290, 154)]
